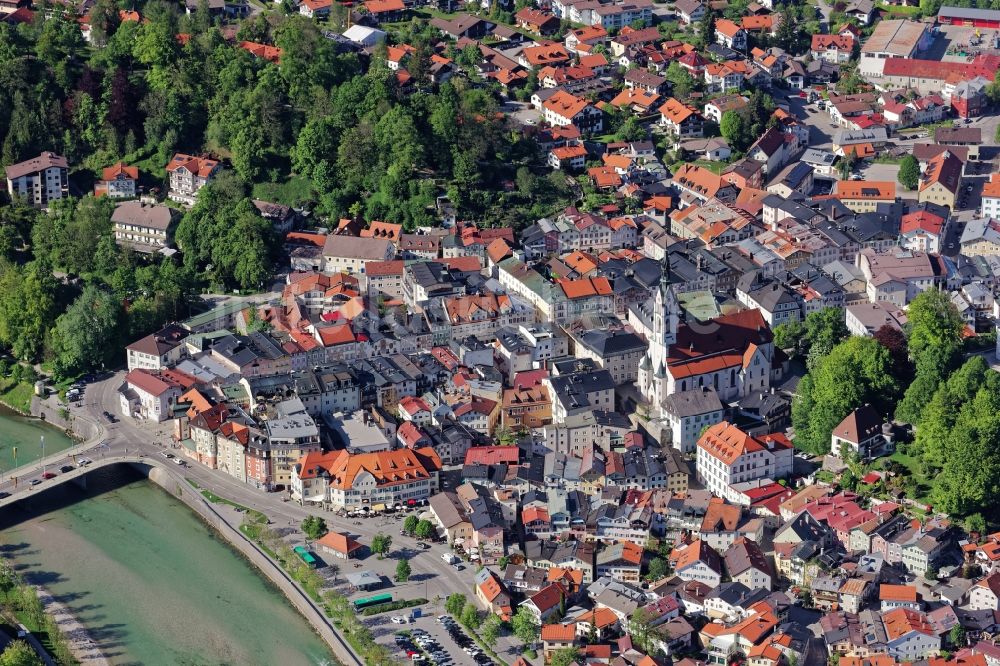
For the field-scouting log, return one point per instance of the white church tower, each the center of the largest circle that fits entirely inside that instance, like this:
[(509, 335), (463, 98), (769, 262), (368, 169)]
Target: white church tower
[(666, 318)]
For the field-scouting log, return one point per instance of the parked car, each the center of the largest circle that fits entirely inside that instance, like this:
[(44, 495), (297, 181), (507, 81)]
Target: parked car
[(49, 475)]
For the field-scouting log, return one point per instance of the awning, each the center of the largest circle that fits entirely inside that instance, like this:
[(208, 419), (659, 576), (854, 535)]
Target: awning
[(378, 507)]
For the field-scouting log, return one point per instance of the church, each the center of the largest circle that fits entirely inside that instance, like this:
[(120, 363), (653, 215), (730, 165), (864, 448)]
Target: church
[(733, 354)]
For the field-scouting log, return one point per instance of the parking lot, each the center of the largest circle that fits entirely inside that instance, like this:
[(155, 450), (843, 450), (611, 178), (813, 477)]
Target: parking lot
[(440, 642)]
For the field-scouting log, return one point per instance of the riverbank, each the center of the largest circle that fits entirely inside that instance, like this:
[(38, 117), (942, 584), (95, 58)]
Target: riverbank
[(151, 585), (228, 528), (83, 647)]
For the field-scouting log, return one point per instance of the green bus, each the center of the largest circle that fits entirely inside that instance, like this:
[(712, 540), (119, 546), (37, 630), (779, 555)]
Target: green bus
[(306, 556), (374, 600)]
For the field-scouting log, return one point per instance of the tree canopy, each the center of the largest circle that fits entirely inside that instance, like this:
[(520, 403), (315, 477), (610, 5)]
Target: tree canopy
[(855, 372)]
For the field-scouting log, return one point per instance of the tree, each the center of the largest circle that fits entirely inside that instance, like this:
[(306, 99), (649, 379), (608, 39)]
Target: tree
[(894, 340), (823, 329), (314, 527), (85, 336), (19, 653), (976, 523), (424, 529), (525, 626), (993, 89), (957, 636), (470, 617), (970, 476), (855, 372), (565, 657), (454, 604), (683, 82), (27, 308), (403, 571), (381, 543), (909, 172), (658, 568), (735, 130), (489, 631), (706, 28), (640, 627), (935, 344), (789, 336), (410, 524)]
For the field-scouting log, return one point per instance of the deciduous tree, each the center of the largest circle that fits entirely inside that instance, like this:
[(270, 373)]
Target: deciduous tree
[(855, 372), (909, 172)]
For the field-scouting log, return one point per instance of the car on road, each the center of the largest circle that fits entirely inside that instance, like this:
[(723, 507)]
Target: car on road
[(83, 462), (4, 495), (35, 482), (66, 468), (49, 475), (398, 620), (529, 121), (459, 566)]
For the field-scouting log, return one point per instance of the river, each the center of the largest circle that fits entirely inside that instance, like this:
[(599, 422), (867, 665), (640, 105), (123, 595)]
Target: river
[(152, 583), (25, 434)]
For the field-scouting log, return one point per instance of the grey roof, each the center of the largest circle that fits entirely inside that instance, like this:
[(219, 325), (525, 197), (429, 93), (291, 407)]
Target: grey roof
[(148, 216), (967, 13), (356, 247), (607, 343), (983, 229), (693, 402), (872, 134), (816, 156), (731, 592)]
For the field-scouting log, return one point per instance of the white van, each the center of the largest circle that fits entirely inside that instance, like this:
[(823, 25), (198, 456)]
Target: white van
[(449, 558)]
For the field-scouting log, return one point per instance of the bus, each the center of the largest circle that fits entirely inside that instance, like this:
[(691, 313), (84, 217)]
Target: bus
[(374, 600), (306, 556)]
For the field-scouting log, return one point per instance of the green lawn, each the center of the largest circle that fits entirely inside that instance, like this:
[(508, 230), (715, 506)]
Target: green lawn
[(906, 12), (713, 166), (917, 486), (293, 192), (17, 394)]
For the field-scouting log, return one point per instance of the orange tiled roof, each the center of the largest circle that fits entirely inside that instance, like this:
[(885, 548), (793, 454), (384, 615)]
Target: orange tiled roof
[(727, 442)]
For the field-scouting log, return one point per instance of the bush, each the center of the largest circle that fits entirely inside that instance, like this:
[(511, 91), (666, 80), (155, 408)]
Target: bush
[(392, 606)]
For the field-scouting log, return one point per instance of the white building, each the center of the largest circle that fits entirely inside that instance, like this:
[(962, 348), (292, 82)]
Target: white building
[(690, 412), (39, 180), (147, 395), (189, 174), (727, 456)]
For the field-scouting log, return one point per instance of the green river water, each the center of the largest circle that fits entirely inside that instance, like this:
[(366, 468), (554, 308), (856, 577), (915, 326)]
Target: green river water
[(25, 434), (152, 583)]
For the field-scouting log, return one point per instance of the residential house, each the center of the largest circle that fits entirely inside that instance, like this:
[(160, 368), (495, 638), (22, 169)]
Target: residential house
[(564, 109), (747, 564), (117, 182), (681, 120), (39, 180), (697, 562), (145, 228), (730, 34), (861, 432), (942, 180), (188, 174)]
